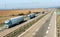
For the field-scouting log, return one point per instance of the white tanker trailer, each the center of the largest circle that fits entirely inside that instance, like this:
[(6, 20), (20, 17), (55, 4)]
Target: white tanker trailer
[(12, 21)]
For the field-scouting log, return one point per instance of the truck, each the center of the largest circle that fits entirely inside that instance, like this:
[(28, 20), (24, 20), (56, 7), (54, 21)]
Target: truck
[(13, 21), (30, 16)]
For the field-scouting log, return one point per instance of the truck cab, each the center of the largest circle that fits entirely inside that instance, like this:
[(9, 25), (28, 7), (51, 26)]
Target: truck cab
[(7, 23)]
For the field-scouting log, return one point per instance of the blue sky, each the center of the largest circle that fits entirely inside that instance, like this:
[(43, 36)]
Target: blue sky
[(19, 4)]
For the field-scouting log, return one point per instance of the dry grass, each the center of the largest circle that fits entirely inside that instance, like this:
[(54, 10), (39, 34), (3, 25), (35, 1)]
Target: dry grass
[(2, 19), (16, 12), (58, 25)]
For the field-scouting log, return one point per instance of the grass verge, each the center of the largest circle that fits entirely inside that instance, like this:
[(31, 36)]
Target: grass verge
[(58, 25)]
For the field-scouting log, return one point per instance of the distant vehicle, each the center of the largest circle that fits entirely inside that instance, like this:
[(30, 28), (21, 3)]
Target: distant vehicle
[(12, 21), (30, 16), (43, 12)]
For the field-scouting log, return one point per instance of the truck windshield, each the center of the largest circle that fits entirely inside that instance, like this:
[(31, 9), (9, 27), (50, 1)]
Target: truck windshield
[(6, 23)]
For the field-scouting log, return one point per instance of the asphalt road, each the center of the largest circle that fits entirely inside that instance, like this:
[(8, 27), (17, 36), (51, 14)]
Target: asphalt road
[(48, 29), (52, 27), (33, 31)]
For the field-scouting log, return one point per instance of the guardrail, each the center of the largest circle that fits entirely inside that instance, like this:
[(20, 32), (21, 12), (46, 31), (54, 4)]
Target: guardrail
[(18, 31)]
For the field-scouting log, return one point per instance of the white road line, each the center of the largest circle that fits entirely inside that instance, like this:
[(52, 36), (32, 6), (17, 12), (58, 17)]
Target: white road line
[(48, 27), (55, 26), (47, 31)]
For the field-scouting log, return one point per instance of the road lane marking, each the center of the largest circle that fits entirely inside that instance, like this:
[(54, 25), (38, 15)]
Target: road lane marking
[(55, 26), (47, 31), (48, 27)]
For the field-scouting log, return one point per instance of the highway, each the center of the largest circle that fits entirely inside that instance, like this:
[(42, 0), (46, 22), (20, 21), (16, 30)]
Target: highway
[(39, 28), (32, 30)]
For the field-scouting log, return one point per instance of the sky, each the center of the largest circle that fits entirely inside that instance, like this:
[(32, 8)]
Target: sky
[(21, 4)]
